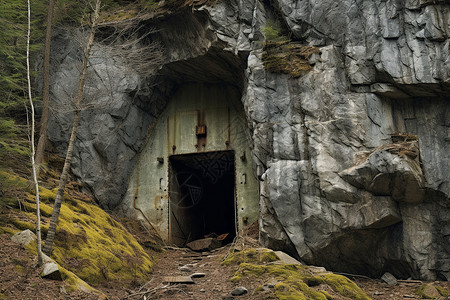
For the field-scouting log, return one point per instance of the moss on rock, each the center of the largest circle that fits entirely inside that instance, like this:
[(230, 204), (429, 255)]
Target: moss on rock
[(294, 281), (88, 241), (261, 255), (431, 291), (97, 248), (344, 286)]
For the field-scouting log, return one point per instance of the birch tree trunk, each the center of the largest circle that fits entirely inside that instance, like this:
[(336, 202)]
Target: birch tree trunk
[(76, 120), (33, 125), (46, 88)]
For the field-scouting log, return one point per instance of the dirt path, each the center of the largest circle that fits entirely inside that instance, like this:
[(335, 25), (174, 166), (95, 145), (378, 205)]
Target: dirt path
[(215, 284), (19, 279)]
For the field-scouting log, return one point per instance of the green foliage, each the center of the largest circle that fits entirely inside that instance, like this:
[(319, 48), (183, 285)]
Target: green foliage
[(273, 32), (13, 39), (8, 130), (13, 144)]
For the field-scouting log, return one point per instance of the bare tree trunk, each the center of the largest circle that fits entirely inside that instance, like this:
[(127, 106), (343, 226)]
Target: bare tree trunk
[(46, 89), (76, 120), (33, 164)]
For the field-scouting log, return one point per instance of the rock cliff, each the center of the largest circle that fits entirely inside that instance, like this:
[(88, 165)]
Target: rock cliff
[(352, 157)]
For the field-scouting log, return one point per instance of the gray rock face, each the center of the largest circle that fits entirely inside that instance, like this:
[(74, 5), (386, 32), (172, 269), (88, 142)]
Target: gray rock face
[(353, 157), (113, 123)]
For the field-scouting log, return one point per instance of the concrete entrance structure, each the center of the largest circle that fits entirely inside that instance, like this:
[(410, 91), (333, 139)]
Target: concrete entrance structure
[(195, 175)]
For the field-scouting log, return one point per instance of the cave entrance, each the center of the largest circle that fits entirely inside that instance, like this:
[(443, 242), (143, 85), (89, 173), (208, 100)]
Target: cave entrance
[(202, 196)]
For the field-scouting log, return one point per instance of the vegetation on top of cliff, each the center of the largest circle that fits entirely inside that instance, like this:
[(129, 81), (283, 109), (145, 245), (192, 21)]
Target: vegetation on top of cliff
[(288, 57), (281, 55)]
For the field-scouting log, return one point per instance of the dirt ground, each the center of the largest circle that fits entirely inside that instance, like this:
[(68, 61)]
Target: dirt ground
[(19, 279), (217, 285)]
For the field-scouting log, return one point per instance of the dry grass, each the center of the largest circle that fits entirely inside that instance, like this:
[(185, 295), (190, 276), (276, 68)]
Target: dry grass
[(288, 58)]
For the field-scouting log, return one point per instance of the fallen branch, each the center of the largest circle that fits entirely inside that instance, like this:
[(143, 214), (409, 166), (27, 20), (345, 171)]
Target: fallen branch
[(153, 291), (353, 275)]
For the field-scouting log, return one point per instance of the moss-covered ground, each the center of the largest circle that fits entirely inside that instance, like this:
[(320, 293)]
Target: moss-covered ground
[(89, 243), (287, 281)]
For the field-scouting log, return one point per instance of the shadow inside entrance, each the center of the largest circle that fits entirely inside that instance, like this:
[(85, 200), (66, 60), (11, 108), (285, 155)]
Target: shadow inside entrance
[(202, 196)]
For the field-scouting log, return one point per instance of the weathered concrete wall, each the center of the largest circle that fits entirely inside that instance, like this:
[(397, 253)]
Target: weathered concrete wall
[(174, 133)]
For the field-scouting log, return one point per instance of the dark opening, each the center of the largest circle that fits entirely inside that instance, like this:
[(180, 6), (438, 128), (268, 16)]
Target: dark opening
[(202, 194)]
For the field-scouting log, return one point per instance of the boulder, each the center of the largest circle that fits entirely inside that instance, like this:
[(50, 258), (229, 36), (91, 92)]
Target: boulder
[(50, 270), (389, 278), (24, 237)]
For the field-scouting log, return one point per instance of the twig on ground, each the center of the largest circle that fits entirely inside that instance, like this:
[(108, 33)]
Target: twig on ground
[(153, 291), (353, 275)]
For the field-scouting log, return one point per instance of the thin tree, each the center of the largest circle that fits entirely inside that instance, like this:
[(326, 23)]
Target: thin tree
[(76, 121), (33, 164), (46, 88)]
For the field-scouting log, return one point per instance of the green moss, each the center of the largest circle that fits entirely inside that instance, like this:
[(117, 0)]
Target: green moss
[(326, 294), (442, 291), (45, 209), (345, 287), (8, 230), (286, 292), (46, 195), (431, 291), (11, 181), (97, 248), (20, 269), (73, 282), (295, 281), (22, 225), (273, 32), (252, 256)]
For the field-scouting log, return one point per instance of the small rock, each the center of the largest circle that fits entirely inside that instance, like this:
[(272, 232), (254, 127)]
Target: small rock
[(428, 291), (271, 284), (389, 278), (207, 244), (186, 268), (202, 290), (198, 275), (50, 270), (239, 291), (286, 258), (377, 293), (24, 237), (178, 279)]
